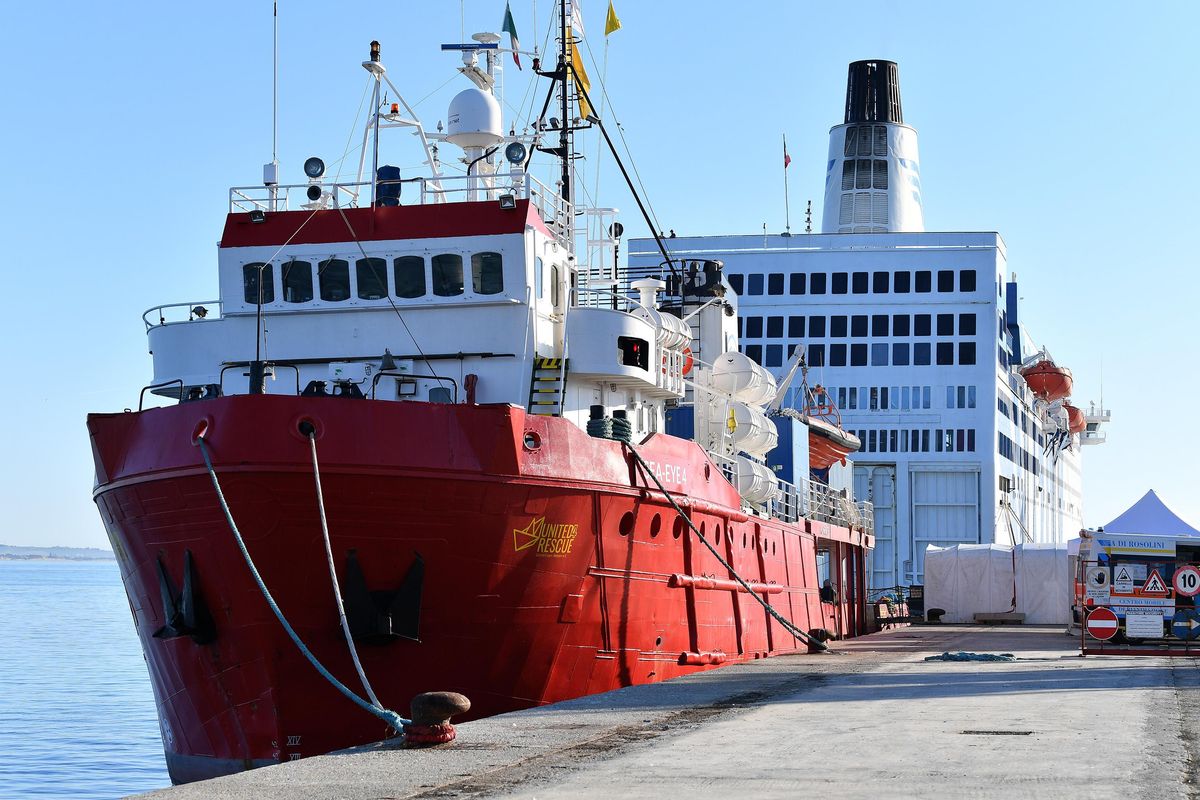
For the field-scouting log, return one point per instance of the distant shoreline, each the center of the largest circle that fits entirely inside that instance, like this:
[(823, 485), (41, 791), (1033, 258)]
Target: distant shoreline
[(10, 552), (77, 559)]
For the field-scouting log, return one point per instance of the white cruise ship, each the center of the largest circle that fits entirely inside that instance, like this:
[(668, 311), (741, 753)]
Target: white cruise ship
[(919, 338)]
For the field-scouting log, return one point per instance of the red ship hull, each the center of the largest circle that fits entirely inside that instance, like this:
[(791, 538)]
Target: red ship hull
[(548, 572)]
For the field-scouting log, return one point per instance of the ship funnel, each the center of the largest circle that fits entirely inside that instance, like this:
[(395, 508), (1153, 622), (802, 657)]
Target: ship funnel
[(873, 179)]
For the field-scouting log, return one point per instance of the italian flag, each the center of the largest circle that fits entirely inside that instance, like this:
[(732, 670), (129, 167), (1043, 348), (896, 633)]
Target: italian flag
[(510, 28)]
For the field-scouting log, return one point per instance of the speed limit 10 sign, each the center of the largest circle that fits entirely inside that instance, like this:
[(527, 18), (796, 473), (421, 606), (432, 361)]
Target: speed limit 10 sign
[(1187, 581)]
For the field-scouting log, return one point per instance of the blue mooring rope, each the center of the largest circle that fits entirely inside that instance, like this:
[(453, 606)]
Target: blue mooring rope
[(393, 719)]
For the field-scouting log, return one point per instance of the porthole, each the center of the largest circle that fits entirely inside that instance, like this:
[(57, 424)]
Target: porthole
[(677, 527), (532, 440), (655, 525), (626, 526), (707, 471), (717, 536), (658, 642), (743, 541)]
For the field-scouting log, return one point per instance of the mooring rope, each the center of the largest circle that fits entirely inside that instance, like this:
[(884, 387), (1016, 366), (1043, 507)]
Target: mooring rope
[(787, 625), (337, 589), (394, 720)]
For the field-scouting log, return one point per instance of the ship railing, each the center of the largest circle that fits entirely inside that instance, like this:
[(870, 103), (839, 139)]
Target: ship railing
[(174, 312), (557, 213)]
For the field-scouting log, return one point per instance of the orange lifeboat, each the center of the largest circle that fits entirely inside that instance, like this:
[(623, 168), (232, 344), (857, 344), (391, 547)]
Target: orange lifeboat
[(828, 443), (1048, 381), (1076, 422)]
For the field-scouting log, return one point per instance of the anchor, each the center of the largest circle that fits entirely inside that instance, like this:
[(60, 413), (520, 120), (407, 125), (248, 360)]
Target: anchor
[(186, 613), (382, 616)]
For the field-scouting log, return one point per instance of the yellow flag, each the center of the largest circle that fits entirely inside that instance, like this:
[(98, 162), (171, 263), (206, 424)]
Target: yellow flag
[(611, 23), (581, 79)]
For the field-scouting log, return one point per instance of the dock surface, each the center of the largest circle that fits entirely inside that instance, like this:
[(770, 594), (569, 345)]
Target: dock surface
[(873, 720)]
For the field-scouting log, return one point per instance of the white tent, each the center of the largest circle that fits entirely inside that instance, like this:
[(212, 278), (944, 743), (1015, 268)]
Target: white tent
[(970, 579), (1150, 515)]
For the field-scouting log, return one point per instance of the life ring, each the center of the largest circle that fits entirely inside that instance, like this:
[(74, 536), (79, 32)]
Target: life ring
[(687, 360)]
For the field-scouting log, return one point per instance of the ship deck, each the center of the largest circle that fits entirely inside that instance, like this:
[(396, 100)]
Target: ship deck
[(875, 720)]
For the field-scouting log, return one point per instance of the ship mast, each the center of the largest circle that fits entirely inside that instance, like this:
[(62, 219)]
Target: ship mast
[(564, 134)]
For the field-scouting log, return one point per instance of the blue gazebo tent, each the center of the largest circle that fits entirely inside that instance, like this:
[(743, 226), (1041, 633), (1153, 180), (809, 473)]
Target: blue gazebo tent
[(1150, 515)]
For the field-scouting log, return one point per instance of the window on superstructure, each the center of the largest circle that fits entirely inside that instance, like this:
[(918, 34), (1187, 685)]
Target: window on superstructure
[(900, 354), (255, 277), (966, 280), (879, 282), (371, 274), (858, 326), (816, 355), (408, 274), (924, 281), (858, 355), (837, 355), (487, 273), (859, 283), (816, 327), (840, 280), (736, 282), (945, 280), (921, 325), (754, 284), (900, 325), (945, 324), (297, 282), (754, 327), (879, 355), (797, 283), (966, 353), (921, 352), (945, 353), (774, 327), (539, 283), (966, 324), (796, 327), (902, 282), (634, 352), (333, 276), (754, 352), (837, 326), (775, 283), (816, 283), (448, 275), (879, 324)]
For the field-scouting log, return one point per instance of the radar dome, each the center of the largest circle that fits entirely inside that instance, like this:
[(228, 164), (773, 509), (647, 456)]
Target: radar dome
[(473, 119)]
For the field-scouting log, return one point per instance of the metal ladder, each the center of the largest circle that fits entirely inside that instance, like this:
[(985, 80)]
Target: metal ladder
[(548, 386)]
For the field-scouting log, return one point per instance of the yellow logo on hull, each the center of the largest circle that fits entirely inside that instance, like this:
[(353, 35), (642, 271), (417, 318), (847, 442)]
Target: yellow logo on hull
[(553, 539)]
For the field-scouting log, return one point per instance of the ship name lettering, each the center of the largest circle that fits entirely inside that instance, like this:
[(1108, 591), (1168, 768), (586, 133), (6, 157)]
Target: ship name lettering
[(668, 473)]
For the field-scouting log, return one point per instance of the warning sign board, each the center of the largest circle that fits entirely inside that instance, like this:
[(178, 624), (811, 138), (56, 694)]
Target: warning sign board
[(1185, 624), (1097, 584), (1124, 576), (1144, 623), (1154, 586), (1102, 624), (1186, 581)]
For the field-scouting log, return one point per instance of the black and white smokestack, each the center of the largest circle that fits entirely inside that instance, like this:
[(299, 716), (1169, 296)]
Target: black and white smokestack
[(873, 92)]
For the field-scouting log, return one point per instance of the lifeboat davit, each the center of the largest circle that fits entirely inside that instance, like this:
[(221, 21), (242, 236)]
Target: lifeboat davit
[(1048, 381), (1076, 422), (828, 444)]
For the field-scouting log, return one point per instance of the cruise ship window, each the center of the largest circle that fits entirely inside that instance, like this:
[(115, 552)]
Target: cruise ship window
[(736, 282), (251, 275), (966, 353), (945, 280), (871, 438), (741, 324), (816, 355), (754, 327), (961, 396), (924, 282), (796, 327), (487, 273), (921, 354), (858, 326), (841, 397), (754, 352), (903, 441), (879, 355), (938, 441), (902, 282), (839, 283), (900, 325), (879, 324), (371, 274), (925, 441), (966, 324), (816, 283), (900, 354), (333, 277), (408, 275), (774, 355), (797, 283), (853, 397), (448, 275), (792, 350), (916, 441), (775, 283), (816, 327), (884, 398), (874, 402), (837, 356), (297, 282), (837, 327), (970, 440), (945, 353), (754, 283), (960, 440), (945, 324), (949, 441), (858, 355), (859, 283), (966, 280), (905, 398), (879, 282), (883, 441), (921, 325), (774, 327), (970, 397), (893, 436)]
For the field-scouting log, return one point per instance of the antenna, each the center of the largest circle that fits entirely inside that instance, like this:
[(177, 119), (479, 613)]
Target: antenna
[(271, 170), (808, 218)]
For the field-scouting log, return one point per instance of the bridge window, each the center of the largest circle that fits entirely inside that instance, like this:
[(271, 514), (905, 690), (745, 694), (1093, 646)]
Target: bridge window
[(634, 352), (539, 282), (487, 273), (251, 274), (372, 278), (297, 282), (447, 275), (409, 276), (333, 275)]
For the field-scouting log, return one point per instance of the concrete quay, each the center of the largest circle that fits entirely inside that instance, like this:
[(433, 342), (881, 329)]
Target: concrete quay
[(874, 720)]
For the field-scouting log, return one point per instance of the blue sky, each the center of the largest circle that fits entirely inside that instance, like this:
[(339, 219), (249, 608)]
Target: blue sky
[(1063, 126)]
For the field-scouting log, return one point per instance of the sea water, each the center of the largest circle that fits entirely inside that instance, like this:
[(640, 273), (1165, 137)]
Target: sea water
[(77, 717)]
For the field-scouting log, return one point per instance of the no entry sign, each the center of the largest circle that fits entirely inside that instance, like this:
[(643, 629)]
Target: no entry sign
[(1102, 624)]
